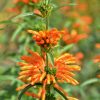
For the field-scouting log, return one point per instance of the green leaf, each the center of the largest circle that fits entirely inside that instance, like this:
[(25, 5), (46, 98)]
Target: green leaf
[(23, 91), (51, 58), (13, 97), (6, 77), (61, 94), (18, 30), (2, 92), (23, 15), (66, 48), (5, 22), (88, 82), (1, 28)]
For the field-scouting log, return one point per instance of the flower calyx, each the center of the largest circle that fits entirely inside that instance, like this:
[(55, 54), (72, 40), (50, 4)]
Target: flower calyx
[(50, 71)]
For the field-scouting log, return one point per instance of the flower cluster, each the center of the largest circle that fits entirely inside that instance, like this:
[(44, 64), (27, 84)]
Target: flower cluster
[(19, 5), (26, 1), (46, 38), (38, 70), (34, 70), (72, 37)]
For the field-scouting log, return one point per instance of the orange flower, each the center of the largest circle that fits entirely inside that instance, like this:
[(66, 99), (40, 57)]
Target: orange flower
[(26, 1), (71, 98), (98, 76), (81, 22), (46, 38), (35, 1), (74, 37), (97, 45), (97, 59), (81, 6), (14, 10), (34, 70), (79, 57), (37, 12), (86, 19)]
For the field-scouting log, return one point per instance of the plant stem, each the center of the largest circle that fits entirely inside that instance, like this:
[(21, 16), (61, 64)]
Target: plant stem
[(46, 59), (47, 23)]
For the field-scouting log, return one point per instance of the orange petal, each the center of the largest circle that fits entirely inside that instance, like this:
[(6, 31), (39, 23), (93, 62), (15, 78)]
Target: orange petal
[(34, 81), (53, 79), (42, 76), (32, 94), (33, 32), (40, 92), (71, 98), (43, 94), (22, 87), (48, 78)]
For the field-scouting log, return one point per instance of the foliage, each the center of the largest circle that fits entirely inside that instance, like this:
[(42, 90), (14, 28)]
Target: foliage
[(77, 17)]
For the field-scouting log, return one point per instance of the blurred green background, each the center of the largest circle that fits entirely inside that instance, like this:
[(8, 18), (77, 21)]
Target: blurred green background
[(14, 40)]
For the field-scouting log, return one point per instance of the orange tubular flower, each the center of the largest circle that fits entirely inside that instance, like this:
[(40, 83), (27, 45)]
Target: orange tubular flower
[(37, 12), (26, 1), (97, 59), (74, 37), (46, 38), (98, 76), (79, 56), (34, 70), (35, 1), (97, 45)]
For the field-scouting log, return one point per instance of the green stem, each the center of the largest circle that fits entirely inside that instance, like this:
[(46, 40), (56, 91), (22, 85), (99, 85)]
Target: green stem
[(47, 23), (25, 89), (46, 59), (61, 94)]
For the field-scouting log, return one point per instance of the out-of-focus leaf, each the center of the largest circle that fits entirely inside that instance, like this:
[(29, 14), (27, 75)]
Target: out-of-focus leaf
[(91, 81), (5, 22), (6, 77), (97, 72), (23, 15), (3, 4), (66, 48), (13, 97), (2, 92), (18, 30), (1, 28)]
